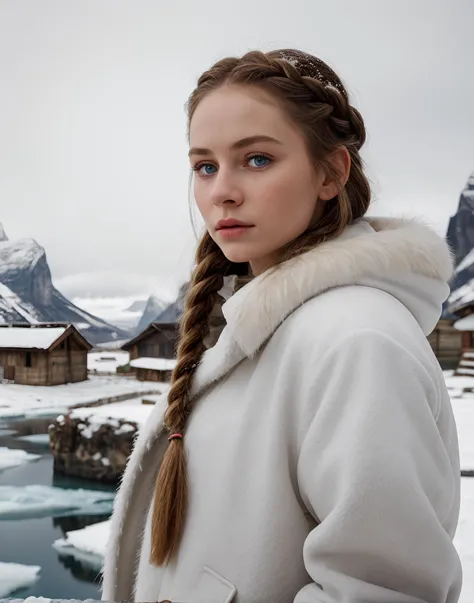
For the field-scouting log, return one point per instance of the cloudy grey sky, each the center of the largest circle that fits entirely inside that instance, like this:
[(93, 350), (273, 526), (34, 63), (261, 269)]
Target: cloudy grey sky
[(92, 127)]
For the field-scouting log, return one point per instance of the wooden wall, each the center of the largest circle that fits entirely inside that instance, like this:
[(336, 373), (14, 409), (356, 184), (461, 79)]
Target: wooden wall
[(36, 374), (446, 342), (67, 367), (152, 375)]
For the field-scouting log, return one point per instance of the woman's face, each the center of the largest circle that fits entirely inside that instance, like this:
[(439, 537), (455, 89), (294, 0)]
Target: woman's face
[(252, 168)]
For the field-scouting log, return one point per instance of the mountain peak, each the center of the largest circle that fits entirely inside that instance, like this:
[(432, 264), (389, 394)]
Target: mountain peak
[(3, 234), (22, 254)]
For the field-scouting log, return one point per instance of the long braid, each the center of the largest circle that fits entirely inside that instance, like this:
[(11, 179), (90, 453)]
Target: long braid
[(171, 491)]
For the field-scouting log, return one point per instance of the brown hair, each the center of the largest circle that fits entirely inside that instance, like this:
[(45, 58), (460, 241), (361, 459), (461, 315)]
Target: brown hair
[(315, 98)]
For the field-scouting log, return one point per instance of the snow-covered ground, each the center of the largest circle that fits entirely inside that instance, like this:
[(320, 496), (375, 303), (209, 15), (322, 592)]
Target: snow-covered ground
[(26, 400), (106, 362), (14, 576)]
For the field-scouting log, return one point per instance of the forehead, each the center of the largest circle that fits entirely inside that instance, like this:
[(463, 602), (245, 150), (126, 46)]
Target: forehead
[(234, 112)]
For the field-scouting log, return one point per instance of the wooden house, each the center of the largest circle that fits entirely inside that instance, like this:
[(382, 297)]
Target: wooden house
[(42, 354), (158, 340), (446, 342), (152, 352)]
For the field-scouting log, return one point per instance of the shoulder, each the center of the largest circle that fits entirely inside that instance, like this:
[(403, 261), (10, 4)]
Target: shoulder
[(345, 313)]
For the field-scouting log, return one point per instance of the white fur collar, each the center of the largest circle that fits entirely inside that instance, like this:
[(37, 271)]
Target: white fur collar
[(368, 248)]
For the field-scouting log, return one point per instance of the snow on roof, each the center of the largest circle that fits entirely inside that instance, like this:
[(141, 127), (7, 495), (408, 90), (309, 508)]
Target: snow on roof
[(461, 297), (40, 338), (155, 364), (465, 324)]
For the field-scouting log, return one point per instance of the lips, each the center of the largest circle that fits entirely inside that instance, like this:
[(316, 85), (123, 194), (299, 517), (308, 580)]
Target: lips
[(230, 223)]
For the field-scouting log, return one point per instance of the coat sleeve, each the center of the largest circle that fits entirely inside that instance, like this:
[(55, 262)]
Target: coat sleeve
[(380, 478)]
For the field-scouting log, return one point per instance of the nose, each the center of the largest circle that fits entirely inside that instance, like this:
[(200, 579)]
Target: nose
[(225, 189)]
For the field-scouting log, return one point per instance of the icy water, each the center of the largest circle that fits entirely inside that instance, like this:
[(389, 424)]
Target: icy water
[(29, 541)]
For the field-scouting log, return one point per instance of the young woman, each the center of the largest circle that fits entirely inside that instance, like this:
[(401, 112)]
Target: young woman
[(310, 455)]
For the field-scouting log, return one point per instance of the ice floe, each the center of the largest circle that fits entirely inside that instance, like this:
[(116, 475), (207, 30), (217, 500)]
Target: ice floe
[(22, 502)]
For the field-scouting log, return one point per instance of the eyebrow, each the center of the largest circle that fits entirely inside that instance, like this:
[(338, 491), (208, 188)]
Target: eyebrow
[(240, 144)]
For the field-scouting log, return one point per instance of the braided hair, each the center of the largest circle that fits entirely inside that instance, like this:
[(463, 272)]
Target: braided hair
[(318, 103)]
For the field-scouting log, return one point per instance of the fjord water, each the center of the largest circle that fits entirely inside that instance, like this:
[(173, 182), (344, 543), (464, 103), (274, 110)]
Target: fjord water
[(29, 541)]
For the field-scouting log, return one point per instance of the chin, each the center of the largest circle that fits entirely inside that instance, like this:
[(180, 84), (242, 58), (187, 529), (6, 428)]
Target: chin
[(237, 253)]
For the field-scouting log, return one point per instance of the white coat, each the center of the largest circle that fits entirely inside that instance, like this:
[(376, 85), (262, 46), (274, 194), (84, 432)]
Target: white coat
[(323, 459)]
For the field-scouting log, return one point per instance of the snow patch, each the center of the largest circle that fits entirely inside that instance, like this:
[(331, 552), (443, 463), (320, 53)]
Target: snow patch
[(106, 362), (87, 545), (10, 458), (13, 302), (39, 338), (14, 576), (156, 364), (47, 501), (466, 262), (17, 401), (19, 255), (130, 413)]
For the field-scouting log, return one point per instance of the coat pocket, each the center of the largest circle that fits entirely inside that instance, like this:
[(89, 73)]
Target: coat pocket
[(213, 588)]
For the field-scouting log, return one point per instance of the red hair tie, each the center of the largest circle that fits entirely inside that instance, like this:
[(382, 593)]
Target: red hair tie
[(175, 436)]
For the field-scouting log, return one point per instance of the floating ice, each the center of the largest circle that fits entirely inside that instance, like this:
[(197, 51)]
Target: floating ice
[(46, 501), (14, 576), (13, 458), (86, 545), (36, 438)]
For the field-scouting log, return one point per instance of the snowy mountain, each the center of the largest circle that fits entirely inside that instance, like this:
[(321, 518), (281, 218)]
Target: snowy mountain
[(461, 238), (154, 307), (461, 226), (137, 306), (27, 293)]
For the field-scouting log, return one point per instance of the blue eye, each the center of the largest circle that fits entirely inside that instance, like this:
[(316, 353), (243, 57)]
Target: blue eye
[(260, 161), (206, 169)]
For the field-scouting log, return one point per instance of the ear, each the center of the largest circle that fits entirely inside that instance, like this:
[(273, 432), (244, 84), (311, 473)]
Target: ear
[(340, 161)]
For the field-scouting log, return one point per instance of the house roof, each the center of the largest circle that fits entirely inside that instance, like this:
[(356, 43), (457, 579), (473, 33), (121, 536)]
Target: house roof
[(152, 328), (465, 324), (155, 364), (41, 336), (461, 298)]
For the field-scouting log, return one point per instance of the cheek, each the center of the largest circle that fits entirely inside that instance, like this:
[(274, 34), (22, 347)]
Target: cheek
[(291, 200)]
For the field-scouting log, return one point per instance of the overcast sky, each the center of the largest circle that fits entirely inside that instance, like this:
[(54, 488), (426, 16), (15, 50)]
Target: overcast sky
[(93, 154)]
